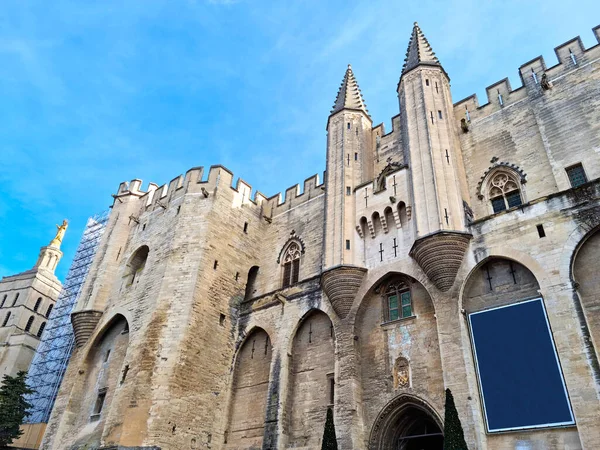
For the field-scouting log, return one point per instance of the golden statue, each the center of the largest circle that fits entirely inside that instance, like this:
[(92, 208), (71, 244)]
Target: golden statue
[(60, 233)]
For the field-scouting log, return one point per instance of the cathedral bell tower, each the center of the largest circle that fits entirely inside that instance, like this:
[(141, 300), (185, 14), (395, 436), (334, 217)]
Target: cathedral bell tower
[(436, 169), (349, 164)]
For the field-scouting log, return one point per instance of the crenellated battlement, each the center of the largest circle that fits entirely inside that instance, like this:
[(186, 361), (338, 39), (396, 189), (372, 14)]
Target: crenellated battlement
[(571, 55), (219, 177)]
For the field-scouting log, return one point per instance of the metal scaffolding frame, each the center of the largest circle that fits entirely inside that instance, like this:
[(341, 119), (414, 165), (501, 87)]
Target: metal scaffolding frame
[(52, 356)]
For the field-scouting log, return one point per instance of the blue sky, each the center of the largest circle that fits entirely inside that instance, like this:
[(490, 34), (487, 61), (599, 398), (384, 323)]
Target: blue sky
[(95, 93)]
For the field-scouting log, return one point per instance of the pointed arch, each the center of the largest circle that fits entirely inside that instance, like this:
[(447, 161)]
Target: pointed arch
[(311, 379), (250, 384)]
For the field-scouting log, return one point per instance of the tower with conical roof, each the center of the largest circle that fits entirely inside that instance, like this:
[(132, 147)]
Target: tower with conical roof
[(432, 150), (349, 163)]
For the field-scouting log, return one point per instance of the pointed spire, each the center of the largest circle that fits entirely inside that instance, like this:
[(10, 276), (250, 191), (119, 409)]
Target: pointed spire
[(419, 51), (349, 95)]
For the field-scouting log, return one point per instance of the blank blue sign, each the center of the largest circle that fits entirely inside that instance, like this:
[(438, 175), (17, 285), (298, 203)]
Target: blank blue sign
[(519, 375)]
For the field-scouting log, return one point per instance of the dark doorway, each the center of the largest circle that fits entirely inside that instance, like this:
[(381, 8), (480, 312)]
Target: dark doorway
[(407, 423)]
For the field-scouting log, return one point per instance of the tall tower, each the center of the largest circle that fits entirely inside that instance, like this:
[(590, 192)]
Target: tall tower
[(349, 164), (433, 153)]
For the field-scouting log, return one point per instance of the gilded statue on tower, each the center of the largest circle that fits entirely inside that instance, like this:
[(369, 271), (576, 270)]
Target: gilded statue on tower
[(60, 233)]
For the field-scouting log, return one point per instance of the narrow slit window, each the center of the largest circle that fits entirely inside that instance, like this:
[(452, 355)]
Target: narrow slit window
[(534, 76), (573, 58), (15, 300), (107, 355), (348, 190), (6, 319), (3, 300), (222, 319), (347, 244), (49, 310), (426, 82), (41, 329), (331, 386), (216, 264), (348, 125), (100, 401), (440, 114), (178, 209), (436, 88), (245, 227), (355, 156), (38, 302), (431, 114), (500, 99)]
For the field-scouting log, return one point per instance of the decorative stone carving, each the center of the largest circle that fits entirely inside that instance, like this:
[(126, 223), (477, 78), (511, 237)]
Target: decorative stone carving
[(84, 323), (401, 373), (545, 83), (440, 256), (341, 284)]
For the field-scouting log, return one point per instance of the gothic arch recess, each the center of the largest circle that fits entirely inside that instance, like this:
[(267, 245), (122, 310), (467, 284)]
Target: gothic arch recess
[(397, 353), (406, 423), (586, 277), (312, 383), (249, 391), (103, 373)]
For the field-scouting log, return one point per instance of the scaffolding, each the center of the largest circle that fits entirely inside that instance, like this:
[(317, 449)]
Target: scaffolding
[(52, 356)]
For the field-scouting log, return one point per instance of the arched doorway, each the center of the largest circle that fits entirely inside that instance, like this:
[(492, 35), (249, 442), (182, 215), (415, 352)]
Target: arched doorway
[(407, 423)]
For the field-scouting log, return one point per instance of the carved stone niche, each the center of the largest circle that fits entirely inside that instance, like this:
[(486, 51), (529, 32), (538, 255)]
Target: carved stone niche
[(84, 323), (440, 255), (341, 284)]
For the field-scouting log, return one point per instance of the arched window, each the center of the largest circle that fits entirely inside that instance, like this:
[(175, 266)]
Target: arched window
[(3, 300), (29, 323), (41, 329), (6, 319), (49, 310), (15, 300), (291, 264), (136, 264), (37, 304), (376, 221), (504, 191), (398, 301)]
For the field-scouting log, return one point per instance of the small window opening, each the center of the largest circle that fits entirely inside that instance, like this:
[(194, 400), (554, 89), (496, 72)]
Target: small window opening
[(49, 310), (29, 323), (347, 244), (6, 319), (216, 264), (348, 158), (237, 276), (3, 300), (576, 175), (540, 230), (348, 125), (118, 254), (573, 58), (436, 88), (100, 401), (37, 304), (107, 355), (245, 227), (348, 190), (15, 300), (143, 227), (331, 388), (355, 156), (534, 76), (500, 99), (440, 114), (178, 209), (41, 329), (426, 82), (431, 113), (221, 319), (467, 114), (124, 375)]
